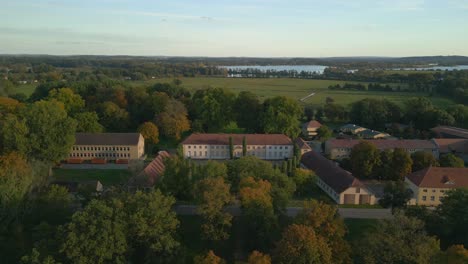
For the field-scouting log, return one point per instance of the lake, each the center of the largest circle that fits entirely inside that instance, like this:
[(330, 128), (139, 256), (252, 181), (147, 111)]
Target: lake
[(299, 68)]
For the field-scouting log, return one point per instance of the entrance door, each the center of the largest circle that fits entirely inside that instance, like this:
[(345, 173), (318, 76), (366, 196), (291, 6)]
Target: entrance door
[(349, 198), (364, 199)]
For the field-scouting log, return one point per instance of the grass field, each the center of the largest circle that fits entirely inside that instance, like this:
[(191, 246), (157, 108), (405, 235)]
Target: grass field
[(106, 177), (297, 88)]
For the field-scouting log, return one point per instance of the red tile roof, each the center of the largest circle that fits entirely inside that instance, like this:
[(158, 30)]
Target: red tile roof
[(251, 139), (156, 167), (437, 177), (107, 139), (447, 145), (302, 144), (447, 131), (328, 171), (313, 124), (384, 144)]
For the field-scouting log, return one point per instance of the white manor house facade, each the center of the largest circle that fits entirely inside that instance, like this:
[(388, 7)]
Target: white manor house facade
[(217, 146)]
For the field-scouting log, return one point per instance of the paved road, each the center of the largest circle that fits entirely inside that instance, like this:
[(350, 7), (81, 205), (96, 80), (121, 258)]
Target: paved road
[(293, 211)]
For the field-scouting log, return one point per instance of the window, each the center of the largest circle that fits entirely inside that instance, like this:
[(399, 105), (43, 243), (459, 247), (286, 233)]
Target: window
[(188, 153), (424, 190), (424, 198), (358, 190), (269, 147), (189, 147), (433, 190), (432, 198), (281, 147), (442, 191), (206, 147)]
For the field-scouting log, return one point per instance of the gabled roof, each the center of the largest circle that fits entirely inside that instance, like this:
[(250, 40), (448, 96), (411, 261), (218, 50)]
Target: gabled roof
[(333, 175), (155, 169), (454, 132), (251, 139), (312, 124), (446, 145), (107, 138), (384, 144), (439, 177), (302, 144)]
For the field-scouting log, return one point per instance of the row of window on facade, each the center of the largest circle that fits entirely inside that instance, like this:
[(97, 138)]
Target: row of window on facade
[(225, 153), (248, 147), (329, 190), (424, 198), (434, 190), (100, 155), (101, 148)]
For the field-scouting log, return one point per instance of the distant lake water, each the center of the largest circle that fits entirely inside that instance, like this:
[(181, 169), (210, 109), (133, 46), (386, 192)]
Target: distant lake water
[(299, 68), (435, 68)]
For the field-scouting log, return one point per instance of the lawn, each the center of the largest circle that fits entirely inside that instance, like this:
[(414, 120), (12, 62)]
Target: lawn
[(106, 177), (296, 88), (357, 227)]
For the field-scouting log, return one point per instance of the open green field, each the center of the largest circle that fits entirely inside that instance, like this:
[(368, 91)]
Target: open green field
[(297, 88), (106, 177)]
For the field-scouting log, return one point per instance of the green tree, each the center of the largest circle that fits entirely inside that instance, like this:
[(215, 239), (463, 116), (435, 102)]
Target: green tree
[(257, 212), (112, 117), (35, 258), (324, 133), (213, 195), (327, 225), (301, 245), (177, 178), (53, 205), (174, 120), (88, 122), (96, 235), (151, 225), (374, 113), (247, 109), (150, 132), (364, 159), (211, 169), (73, 102), (451, 215), (281, 115), (450, 160), (396, 195), (25, 131), (401, 164), (383, 245), (422, 160), (13, 134), (16, 181), (305, 182), (213, 108)]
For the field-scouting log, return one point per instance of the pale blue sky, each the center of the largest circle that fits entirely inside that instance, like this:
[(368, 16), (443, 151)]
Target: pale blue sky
[(263, 28)]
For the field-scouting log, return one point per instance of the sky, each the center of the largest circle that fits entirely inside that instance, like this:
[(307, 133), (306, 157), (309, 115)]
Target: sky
[(220, 28)]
